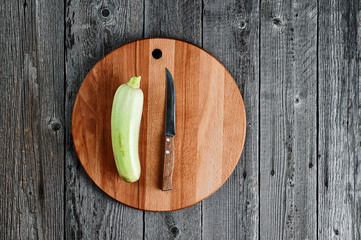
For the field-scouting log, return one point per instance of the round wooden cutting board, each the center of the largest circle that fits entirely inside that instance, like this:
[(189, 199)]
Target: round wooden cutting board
[(210, 123)]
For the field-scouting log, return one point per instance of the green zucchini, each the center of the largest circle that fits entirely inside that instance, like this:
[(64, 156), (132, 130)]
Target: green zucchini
[(125, 123)]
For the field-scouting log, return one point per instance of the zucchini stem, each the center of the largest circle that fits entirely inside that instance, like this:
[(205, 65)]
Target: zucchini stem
[(134, 82)]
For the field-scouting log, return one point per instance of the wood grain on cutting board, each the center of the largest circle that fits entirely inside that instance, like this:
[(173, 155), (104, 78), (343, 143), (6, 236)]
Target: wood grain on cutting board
[(210, 123)]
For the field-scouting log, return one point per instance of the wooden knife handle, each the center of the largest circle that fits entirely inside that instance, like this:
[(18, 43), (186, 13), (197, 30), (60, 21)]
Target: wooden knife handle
[(168, 163)]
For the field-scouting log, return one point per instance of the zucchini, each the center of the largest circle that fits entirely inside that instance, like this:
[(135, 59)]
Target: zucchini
[(125, 123)]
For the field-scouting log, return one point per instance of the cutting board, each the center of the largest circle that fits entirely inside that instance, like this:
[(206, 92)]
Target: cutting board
[(210, 123)]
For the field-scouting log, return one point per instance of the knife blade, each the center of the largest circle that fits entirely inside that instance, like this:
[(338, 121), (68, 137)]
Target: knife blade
[(169, 133), (170, 106)]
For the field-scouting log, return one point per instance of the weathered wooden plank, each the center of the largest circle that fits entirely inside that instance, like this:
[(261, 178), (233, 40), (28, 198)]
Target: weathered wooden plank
[(94, 28), (339, 180), (231, 33), (181, 20), (288, 164), (174, 19), (31, 132)]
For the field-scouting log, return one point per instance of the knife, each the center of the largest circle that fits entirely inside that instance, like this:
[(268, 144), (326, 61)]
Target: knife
[(169, 133)]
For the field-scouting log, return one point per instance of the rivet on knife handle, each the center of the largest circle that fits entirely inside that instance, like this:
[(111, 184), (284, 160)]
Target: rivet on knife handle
[(168, 163)]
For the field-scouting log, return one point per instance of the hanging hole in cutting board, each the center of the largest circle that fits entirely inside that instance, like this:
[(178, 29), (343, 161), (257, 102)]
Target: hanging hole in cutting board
[(157, 53)]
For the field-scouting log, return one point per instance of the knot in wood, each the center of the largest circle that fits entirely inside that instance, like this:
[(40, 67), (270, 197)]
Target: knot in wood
[(105, 12), (55, 125), (242, 24), (175, 231), (277, 22)]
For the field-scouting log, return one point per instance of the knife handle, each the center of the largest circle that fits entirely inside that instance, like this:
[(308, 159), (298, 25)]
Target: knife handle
[(168, 163)]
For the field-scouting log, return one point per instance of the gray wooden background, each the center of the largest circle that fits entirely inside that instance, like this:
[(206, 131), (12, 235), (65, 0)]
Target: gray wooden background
[(297, 65)]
